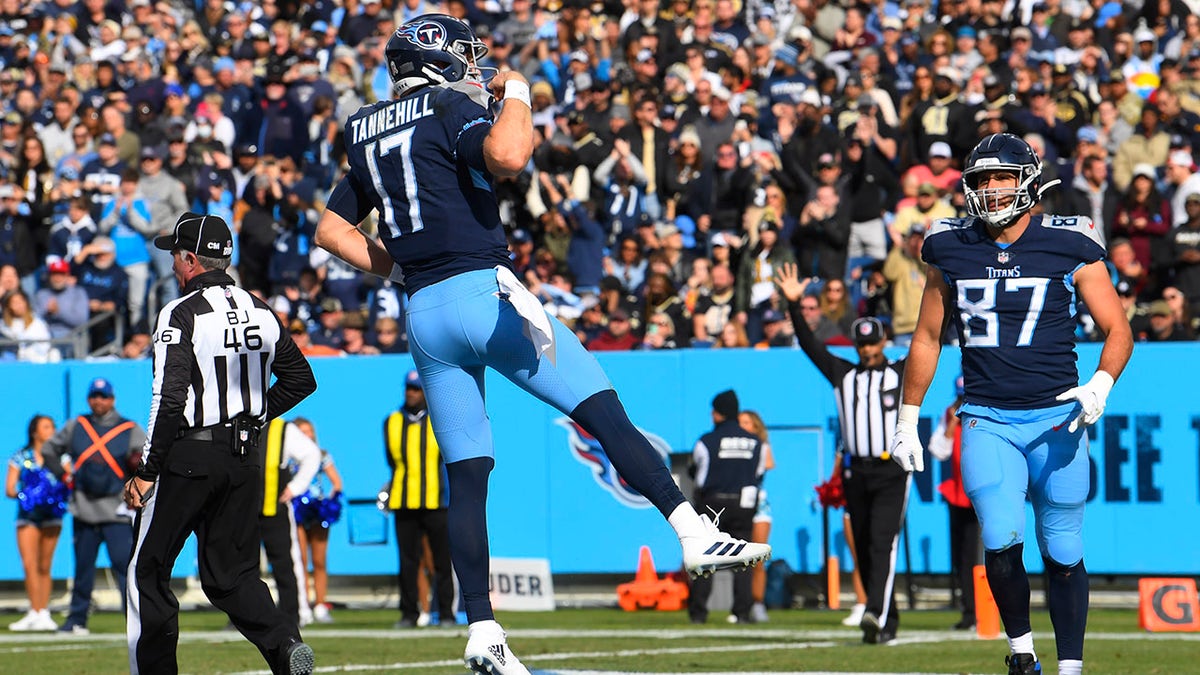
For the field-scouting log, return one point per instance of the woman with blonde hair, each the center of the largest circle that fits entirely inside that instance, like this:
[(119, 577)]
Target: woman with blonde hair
[(751, 421), (19, 323), (835, 305), (38, 524), (733, 336)]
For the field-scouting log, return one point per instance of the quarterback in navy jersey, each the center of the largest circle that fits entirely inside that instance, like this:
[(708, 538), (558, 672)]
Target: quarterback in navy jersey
[(1009, 280), (424, 161)]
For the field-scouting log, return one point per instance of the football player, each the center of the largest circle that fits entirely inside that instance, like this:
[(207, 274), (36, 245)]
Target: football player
[(425, 161), (1009, 279)]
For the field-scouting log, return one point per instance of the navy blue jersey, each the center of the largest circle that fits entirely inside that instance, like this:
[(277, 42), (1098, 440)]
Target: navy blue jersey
[(418, 161), (1016, 305)]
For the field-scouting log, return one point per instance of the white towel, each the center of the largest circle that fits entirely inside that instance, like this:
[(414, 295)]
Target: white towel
[(537, 323)]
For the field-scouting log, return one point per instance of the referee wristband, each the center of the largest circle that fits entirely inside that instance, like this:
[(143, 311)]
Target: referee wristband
[(909, 414), (517, 90)]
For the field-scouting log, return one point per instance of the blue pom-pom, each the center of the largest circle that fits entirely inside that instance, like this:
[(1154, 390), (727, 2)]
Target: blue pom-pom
[(330, 509), (41, 494), (306, 508)]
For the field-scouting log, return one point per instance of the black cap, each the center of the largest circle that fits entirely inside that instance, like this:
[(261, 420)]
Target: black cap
[(204, 235), (867, 331), (726, 404)]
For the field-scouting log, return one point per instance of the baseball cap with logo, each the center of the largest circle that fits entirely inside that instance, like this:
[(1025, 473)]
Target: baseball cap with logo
[(100, 387), (198, 233), (867, 331), (413, 380)]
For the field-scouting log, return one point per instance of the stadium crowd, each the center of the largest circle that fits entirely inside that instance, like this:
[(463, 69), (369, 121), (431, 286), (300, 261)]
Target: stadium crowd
[(686, 149)]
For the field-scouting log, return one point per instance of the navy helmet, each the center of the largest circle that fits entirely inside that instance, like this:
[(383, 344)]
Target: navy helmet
[(1001, 207), (432, 49)]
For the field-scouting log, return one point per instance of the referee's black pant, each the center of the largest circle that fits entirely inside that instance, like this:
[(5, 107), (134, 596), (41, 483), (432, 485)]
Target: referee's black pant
[(411, 526), (738, 522), (876, 495), (203, 488), (283, 552)]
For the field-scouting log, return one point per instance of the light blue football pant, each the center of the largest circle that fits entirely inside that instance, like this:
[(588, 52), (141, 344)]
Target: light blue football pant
[(1009, 454), (458, 328)]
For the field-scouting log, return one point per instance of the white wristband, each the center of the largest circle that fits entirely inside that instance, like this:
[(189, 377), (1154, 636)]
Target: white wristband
[(909, 414), (518, 90), (1102, 382)]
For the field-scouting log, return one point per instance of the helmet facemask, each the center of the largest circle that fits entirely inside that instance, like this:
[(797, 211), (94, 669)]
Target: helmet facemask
[(1001, 207)]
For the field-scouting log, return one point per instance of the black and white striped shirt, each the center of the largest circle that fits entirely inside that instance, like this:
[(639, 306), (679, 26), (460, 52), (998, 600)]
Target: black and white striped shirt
[(215, 349), (868, 399)]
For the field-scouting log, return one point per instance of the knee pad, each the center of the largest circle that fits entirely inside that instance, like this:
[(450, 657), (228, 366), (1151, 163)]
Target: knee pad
[(1003, 532), (1064, 550)]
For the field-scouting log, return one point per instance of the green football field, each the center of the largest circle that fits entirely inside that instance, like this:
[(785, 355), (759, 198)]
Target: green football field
[(612, 642)]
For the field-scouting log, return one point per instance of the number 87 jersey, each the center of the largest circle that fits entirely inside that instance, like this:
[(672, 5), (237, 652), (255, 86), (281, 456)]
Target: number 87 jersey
[(1015, 305)]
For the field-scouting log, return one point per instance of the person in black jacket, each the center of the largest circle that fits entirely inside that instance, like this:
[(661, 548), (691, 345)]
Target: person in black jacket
[(868, 401), (727, 464)]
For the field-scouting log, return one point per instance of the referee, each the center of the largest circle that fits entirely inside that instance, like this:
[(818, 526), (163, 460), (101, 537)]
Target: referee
[(215, 349), (868, 399)]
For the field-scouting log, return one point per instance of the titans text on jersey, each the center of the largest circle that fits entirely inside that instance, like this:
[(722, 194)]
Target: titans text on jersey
[(1015, 305), (433, 231)]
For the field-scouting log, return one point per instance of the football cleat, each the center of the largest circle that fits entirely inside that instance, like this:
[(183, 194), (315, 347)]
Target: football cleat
[(870, 628), (1023, 664), (300, 659), (716, 550), (487, 651)]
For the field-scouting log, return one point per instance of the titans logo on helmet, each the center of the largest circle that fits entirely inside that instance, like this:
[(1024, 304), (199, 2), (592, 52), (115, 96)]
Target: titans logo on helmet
[(587, 451), (426, 35)]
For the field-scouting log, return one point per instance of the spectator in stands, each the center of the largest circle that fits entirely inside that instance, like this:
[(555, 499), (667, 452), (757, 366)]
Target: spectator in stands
[(278, 124), (35, 177), (1144, 217), (628, 266), (660, 333), (590, 323), (1127, 267), (329, 332), (939, 171), (777, 331), (822, 233), (17, 241), (1185, 252), (1181, 310), (823, 329), (299, 333), (73, 231), (388, 338), (649, 143), (102, 175), (353, 337), (106, 285), (1181, 180), (62, 304), (1150, 144), (1090, 193), (126, 219), (928, 209), (19, 323), (905, 273), (688, 178), (128, 144), (732, 191), (1163, 325), (585, 252), (617, 336), (835, 305), (622, 178)]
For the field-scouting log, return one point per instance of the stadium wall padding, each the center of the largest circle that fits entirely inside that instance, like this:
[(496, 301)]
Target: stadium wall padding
[(546, 502)]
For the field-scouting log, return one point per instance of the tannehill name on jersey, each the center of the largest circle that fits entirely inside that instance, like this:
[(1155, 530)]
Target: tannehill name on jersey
[(389, 117)]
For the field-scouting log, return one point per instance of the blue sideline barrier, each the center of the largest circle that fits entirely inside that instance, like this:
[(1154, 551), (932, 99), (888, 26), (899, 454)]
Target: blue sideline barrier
[(545, 501)]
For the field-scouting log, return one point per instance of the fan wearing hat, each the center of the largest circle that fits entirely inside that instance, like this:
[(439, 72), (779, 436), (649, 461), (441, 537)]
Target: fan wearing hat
[(868, 396), (106, 284), (1185, 247), (62, 304)]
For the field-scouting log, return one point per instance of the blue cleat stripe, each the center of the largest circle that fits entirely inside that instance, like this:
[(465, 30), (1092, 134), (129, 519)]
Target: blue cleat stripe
[(738, 549), (712, 548), (725, 551)]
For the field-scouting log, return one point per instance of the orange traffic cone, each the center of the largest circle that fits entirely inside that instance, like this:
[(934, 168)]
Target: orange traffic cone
[(647, 591), (987, 615), (833, 591)]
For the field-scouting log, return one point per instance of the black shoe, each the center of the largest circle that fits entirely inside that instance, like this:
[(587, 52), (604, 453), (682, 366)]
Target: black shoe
[(965, 623), (698, 619), (886, 636), (406, 622), (300, 659), (1022, 664), (870, 628)]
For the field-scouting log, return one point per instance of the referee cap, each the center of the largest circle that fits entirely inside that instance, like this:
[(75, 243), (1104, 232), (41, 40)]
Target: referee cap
[(204, 235), (413, 379), (867, 331)]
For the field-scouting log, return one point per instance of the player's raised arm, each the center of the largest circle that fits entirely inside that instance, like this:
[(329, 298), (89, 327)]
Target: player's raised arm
[(509, 144)]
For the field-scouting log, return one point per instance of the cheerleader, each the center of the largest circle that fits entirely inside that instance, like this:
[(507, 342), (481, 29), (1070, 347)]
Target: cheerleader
[(750, 421), (316, 511), (41, 502)]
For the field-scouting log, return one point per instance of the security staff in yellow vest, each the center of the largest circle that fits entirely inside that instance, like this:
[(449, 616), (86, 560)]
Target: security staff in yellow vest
[(290, 461), (419, 501)]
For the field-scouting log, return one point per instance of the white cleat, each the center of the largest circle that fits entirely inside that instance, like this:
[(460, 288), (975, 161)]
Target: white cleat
[(716, 550), (856, 616), (487, 651)]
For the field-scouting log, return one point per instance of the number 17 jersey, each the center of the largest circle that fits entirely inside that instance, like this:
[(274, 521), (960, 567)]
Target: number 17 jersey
[(1014, 305)]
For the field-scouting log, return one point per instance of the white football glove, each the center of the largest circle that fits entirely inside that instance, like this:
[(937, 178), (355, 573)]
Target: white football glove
[(1092, 398), (906, 445)]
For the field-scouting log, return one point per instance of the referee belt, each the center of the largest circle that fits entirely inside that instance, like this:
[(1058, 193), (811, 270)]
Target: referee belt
[(220, 433), (855, 459)]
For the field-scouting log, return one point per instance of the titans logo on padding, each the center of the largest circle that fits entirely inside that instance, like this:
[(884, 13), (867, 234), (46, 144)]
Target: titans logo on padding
[(426, 35), (588, 452)]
